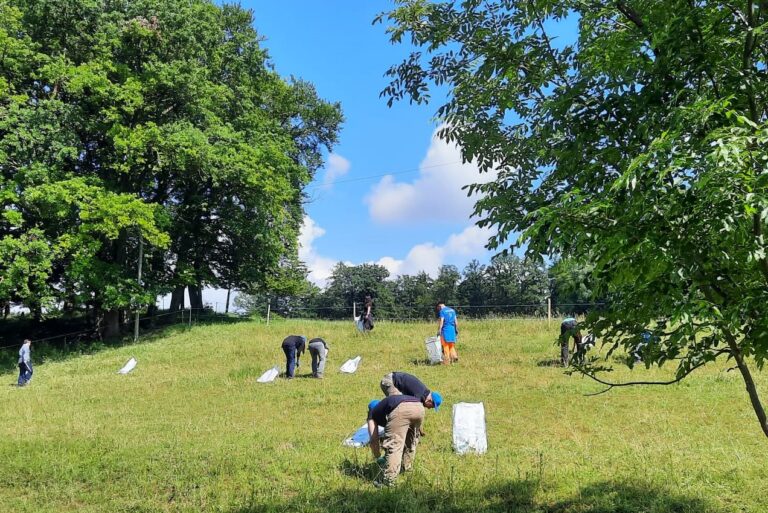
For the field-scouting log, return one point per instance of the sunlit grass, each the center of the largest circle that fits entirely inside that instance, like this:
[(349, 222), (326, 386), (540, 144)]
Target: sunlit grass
[(190, 430)]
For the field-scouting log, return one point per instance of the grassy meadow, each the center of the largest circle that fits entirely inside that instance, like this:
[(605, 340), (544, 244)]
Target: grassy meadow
[(190, 430)]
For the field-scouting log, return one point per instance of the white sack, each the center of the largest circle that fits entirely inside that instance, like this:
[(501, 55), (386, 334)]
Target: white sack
[(129, 366), (361, 438), (359, 324), (350, 366), (434, 350), (269, 376), (469, 428)]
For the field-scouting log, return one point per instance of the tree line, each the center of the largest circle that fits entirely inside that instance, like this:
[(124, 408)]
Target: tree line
[(152, 134), (508, 285)]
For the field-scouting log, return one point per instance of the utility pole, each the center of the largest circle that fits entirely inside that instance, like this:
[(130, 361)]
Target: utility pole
[(141, 260)]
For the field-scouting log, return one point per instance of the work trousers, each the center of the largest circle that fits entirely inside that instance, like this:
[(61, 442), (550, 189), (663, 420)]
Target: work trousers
[(402, 438), (25, 373), (290, 360), (319, 354)]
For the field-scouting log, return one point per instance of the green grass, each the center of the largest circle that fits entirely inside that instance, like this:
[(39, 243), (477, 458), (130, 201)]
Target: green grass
[(190, 430)]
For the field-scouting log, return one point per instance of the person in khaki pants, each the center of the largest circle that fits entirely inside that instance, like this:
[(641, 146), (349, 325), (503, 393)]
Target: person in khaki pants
[(401, 417)]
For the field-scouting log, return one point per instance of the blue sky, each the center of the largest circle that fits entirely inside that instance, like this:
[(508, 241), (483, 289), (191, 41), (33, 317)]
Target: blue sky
[(417, 217)]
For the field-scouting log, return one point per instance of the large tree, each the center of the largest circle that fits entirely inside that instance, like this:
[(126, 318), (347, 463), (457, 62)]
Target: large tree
[(640, 142), (155, 121)]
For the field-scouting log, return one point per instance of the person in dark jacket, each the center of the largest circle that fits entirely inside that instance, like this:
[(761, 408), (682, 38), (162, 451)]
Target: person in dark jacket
[(568, 328), (366, 317), (401, 417), (402, 383), (25, 363), (293, 347)]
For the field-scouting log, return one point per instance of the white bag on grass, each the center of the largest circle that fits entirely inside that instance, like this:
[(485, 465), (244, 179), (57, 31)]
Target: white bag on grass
[(350, 366), (269, 376), (129, 366), (434, 351), (361, 438), (469, 428)]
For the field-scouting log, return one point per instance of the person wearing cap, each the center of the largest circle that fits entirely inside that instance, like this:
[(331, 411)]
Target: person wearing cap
[(448, 331), (293, 347), (401, 417), (402, 383), (25, 363), (318, 348)]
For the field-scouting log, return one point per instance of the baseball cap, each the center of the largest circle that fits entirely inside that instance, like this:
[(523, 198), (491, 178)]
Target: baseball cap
[(373, 404), (437, 399)]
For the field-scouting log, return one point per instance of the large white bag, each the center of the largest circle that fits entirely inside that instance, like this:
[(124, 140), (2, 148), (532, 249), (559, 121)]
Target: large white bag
[(359, 324), (129, 366), (269, 376), (469, 428), (350, 366), (434, 351)]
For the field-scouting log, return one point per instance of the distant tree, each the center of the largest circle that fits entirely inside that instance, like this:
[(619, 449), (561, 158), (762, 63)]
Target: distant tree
[(571, 287), (158, 122), (641, 142), (350, 284), (414, 296), (446, 285), (474, 289)]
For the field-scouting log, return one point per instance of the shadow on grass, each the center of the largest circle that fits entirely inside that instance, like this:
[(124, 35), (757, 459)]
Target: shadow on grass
[(63, 348), (422, 361), (418, 495), (549, 362)]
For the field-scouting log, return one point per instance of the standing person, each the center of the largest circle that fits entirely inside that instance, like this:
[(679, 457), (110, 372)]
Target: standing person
[(401, 417), (367, 315), (25, 363), (448, 332), (318, 348), (293, 347), (569, 328)]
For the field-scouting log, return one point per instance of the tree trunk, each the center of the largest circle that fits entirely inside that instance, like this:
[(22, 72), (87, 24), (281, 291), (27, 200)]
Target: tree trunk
[(195, 296), (754, 398), (177, 299), (226, 307), (111, 323)]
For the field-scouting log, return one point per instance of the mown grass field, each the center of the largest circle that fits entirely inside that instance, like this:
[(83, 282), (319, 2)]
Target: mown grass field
[(190, 430)]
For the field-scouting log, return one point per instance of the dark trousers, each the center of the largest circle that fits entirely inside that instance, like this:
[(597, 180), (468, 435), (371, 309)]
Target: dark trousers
[(568, 330), (290, 360), (25, 373)]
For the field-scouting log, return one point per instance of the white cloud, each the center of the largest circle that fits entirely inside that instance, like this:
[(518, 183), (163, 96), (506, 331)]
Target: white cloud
[(319, 267), (428, 257), (436, 194), (337, 167)]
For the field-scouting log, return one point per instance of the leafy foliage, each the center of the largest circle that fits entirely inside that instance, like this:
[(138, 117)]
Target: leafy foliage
[(152, 120), (640, 144)]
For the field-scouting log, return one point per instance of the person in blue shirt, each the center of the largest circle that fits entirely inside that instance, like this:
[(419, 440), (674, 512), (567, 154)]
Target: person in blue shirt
[(448, 332), (293, 346), (401, 417), (25, 363)]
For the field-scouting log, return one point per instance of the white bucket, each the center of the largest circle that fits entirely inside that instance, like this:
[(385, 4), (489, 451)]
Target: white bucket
[(434, 351)]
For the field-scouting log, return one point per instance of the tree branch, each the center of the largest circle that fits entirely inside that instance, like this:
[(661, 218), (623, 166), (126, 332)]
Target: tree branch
[(611, 385), (635, 18)]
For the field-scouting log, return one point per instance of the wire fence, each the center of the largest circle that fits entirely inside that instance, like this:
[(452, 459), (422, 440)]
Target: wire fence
[(92, 337), (414, 313)]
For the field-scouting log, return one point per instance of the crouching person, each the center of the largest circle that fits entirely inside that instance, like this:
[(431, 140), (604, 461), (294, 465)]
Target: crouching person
[(401, 417), (318, 348)]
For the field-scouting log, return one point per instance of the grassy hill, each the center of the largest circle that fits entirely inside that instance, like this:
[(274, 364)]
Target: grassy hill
[(190, 430)]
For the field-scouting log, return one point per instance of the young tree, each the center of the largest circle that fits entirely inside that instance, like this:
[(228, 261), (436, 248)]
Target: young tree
[(641, 143)]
